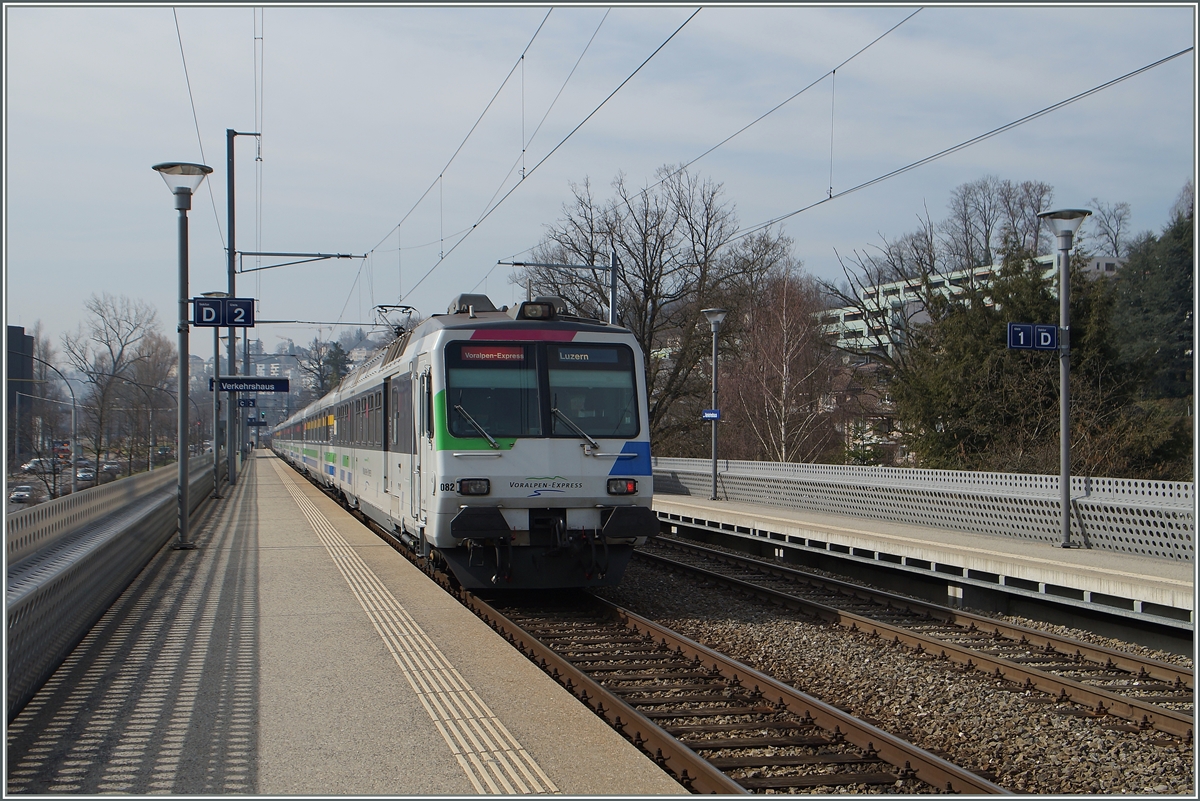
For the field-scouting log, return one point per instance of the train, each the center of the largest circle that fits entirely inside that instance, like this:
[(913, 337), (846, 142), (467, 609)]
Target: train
[(509, 446)]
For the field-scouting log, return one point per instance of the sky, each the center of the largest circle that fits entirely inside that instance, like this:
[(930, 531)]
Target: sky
[(375, 141)]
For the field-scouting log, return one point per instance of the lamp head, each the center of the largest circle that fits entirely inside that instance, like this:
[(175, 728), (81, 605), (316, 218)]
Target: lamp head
[(214, 294), (1065, 221), (182, 175), (715, 317), (182, 179)]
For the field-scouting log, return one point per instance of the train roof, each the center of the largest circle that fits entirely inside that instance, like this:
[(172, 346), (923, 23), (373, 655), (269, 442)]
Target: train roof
[(471, 311)]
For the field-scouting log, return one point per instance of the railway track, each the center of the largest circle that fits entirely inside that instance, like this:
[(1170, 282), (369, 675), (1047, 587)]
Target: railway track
[(715, 724), (1143, 692)]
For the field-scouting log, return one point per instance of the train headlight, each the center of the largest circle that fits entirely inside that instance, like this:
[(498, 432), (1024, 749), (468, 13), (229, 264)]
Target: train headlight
[(474, 486), (533, 310), (622, 486)]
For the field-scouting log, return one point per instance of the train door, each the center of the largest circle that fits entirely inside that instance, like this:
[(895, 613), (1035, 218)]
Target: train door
[(423, 429), (385, 425)]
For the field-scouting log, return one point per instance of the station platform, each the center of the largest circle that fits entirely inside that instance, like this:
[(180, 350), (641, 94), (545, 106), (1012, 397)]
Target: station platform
[(294, 653), (971, 566)]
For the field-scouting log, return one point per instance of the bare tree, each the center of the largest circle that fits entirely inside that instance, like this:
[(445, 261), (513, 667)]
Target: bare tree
[(969, 233), (324, 362), (675, 243), (104, 350), (148, 397), (1020, 204), (1185, 204), (1110, 222), (780, 382)]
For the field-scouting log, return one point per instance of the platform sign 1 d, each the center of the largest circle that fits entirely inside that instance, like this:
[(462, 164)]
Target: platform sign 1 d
[(1026, 336)]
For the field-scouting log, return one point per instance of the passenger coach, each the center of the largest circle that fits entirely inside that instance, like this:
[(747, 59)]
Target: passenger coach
[(510, 445)]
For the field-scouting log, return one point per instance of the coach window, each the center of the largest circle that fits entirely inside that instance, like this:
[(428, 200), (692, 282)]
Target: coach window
[(402, 411), (368, 421), (379, 418)]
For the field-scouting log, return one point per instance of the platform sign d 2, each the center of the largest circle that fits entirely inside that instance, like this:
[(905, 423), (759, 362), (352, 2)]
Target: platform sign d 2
[(1026, 336), (223, 312)]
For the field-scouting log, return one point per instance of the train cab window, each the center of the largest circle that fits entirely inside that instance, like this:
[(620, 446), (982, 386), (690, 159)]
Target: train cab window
[(593, 386), (496, 386)]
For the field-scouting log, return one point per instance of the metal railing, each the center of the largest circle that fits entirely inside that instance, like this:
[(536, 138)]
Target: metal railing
[(1146, 518), (70, 558)]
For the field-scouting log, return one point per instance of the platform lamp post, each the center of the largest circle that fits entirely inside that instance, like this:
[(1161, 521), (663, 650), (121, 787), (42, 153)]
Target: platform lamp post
[(715, 318), (74, 430), (183, 179), (216, 440), (1064, 222)]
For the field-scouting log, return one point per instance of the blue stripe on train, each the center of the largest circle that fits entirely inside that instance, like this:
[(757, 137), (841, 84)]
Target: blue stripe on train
[(637, 466)]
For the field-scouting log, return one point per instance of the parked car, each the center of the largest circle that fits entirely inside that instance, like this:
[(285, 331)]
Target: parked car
[(21, 494), (37, 464), (85, 474), (112, 467)]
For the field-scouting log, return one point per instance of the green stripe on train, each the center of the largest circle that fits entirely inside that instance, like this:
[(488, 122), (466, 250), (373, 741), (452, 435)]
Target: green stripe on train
[(443, 440)]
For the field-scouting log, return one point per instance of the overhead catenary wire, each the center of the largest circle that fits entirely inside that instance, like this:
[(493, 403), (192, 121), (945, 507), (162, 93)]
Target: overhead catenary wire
[(463, 143), (771, 111), (780, 105), (196, 119), (259, 32), (963, 145), (543, 160)]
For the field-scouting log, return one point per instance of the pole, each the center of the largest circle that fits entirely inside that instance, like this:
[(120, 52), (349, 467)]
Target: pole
[(243, 429), (612, 287), (216, 443), (1064, 377), (714, 422), (230, 432), (183, 202), (74, 443), (74, 429)]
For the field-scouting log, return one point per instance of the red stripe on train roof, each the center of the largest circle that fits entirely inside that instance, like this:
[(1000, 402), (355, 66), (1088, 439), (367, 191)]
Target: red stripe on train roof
[(524, 334)]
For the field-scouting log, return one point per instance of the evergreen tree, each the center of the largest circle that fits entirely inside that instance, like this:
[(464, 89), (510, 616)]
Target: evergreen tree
[(1153, 310)]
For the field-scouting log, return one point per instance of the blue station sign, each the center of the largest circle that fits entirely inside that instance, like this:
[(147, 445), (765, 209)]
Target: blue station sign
[(223, 312), (1027, 336), (710, 414)]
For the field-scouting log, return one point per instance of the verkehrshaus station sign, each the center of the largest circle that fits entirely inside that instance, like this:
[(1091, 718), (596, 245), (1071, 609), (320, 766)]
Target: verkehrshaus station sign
[(251, 384)]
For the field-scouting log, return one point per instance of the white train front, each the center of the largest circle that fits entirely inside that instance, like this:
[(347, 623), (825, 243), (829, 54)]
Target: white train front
[(510, 445)]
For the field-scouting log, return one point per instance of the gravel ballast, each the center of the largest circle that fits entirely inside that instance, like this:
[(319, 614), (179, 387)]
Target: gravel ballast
[(1026, 740)]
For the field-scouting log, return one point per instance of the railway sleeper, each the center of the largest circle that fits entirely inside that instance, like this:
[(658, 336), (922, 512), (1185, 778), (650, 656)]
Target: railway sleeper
[(817, 780)]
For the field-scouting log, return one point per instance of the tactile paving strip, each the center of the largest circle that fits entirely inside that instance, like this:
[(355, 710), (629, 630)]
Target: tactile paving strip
[(492, 758)]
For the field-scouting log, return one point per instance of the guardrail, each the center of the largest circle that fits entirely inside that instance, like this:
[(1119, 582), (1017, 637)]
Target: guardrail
[(1147, 518), (70, 558)]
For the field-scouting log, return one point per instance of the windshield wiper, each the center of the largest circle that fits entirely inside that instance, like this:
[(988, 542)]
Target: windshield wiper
[(575, 428), (458, 408)]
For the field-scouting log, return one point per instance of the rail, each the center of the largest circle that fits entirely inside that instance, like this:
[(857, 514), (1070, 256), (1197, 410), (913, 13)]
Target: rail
[(70, 558), (1146, 518)]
